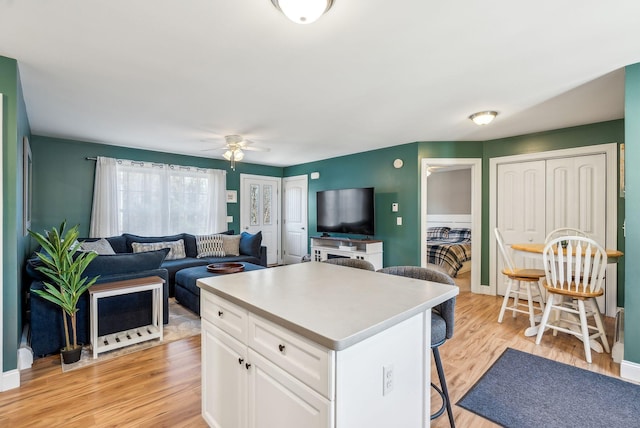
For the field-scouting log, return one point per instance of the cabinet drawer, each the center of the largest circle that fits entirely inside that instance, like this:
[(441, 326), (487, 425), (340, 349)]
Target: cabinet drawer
[(308, 362), (225, 315)]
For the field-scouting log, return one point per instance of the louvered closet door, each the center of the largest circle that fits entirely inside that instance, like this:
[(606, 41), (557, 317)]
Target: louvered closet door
[(521, 208)]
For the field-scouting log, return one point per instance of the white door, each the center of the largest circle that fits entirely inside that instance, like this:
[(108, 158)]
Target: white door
[(521, 208), (576, 189), (576, 197), (295, 219), (260, 211)]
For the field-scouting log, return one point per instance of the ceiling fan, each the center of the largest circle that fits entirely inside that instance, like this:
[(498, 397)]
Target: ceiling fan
[(235, 144)]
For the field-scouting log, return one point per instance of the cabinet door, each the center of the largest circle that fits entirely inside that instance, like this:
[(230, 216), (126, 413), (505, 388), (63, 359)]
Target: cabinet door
[(224, 379), (277, 399)]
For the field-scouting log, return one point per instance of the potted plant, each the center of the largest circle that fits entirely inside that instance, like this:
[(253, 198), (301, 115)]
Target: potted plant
[(64, 267)]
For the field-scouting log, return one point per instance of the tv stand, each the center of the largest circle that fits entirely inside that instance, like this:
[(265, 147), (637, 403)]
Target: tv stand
[(326, 247)]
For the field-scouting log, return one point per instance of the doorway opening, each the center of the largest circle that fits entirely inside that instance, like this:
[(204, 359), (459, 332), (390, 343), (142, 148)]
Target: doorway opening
[(466, 225)]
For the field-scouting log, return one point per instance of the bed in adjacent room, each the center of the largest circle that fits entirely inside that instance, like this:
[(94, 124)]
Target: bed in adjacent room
[(449, 248)]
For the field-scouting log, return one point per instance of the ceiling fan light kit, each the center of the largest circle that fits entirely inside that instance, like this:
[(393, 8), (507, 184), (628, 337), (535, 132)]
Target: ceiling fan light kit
[(303, 11), (483, 117), (235, 144)]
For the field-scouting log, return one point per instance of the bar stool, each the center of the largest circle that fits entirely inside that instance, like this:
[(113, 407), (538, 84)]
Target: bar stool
[(442, 322), (519, 287)]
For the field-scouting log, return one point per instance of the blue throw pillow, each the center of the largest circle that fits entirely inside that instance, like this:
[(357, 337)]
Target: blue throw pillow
[(250, 244), (125, 263)]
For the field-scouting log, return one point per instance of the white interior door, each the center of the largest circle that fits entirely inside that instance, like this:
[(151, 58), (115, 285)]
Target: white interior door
[(576, 197), (576, 189), (521, 208), (295, 223), (260, 211)]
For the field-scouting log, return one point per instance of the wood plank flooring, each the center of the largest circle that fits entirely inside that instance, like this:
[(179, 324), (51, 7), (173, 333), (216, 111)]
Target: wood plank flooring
[(160, 387)]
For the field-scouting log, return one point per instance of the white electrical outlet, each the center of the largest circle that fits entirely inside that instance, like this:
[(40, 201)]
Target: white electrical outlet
[(387, 379), (399, 221)]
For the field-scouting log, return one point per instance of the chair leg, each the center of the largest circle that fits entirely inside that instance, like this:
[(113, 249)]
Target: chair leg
[(516, 297), (505, 301), (598, 318), (532, 317), (444, 392), (585, 330), (545, 318)]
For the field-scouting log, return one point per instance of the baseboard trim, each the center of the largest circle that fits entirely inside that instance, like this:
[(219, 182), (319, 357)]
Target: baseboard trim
[(9, 380), (630, 371)]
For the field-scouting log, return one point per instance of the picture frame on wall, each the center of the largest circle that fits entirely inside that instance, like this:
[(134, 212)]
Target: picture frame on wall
[(27, 183)]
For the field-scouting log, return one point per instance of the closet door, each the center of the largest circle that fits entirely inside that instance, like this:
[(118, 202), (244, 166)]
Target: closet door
[(521, 208), (576, 197), (576, 194)]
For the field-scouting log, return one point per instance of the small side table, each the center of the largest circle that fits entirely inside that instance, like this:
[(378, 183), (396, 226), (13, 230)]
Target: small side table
[(127, 337)]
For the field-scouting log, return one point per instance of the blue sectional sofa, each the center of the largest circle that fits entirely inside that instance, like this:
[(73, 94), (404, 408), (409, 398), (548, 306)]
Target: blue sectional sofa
[(129, 311)]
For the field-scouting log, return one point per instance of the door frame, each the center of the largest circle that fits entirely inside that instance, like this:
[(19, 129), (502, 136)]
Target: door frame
[(476, 212), (611, 152)]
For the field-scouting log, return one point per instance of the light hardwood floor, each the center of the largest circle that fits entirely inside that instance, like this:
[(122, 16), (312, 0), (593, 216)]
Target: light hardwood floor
[(160, 387)]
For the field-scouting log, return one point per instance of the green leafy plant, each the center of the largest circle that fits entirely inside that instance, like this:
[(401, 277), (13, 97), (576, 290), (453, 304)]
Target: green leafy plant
[(64, 268)]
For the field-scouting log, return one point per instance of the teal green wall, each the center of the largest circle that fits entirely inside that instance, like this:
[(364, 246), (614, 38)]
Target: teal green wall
[(632, 248), (15, 126), (375, 169), (63, 178), (579, 136)]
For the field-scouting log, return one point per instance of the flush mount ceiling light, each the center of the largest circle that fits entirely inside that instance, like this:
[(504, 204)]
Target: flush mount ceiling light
[(303, 11), (483, 117)]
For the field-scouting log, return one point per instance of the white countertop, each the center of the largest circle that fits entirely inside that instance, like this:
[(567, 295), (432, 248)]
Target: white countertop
[(334, 306)]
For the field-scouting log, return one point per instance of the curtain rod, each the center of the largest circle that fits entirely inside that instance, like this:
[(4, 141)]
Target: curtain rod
[(93, 159)]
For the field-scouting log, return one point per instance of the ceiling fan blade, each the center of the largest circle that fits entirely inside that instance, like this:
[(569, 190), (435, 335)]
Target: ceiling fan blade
[(225, 147), (256, 149)]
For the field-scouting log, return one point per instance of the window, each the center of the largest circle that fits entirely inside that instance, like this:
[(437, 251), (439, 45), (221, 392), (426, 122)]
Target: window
[(157, 199)]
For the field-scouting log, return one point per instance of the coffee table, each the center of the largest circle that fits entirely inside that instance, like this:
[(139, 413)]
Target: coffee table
[(188, 293)]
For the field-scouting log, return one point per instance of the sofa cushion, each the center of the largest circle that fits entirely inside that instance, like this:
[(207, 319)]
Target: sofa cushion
[(250, 244), (176, 248), (210, 246), (125, 263), (231, 244), (118, 243), (101, 246), (143, 239)]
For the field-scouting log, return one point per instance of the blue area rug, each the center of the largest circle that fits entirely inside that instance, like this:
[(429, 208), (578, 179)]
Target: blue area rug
[(522, 390)]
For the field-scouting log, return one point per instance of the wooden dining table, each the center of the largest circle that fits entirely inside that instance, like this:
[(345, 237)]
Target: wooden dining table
[(536, 250)]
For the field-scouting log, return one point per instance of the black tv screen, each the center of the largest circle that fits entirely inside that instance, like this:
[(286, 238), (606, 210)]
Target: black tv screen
[(346, 211)]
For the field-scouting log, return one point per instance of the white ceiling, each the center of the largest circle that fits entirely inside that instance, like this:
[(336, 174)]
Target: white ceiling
[(178, 75)]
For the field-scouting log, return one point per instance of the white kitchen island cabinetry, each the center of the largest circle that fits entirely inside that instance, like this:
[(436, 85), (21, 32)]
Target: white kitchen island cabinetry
[(316, 345)]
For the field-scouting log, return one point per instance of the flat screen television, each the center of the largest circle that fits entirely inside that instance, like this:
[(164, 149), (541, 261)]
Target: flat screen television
[(346, 211)]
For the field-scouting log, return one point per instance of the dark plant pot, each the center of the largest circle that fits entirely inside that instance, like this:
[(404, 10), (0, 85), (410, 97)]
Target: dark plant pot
[(71, 356)]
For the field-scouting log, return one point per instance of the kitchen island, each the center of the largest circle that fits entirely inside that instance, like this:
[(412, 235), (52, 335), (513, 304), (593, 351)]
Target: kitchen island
[(317, 345)]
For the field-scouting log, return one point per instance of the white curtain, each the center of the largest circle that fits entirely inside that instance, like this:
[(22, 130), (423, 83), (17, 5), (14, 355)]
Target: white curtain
[(104, 211), (155, 199)]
